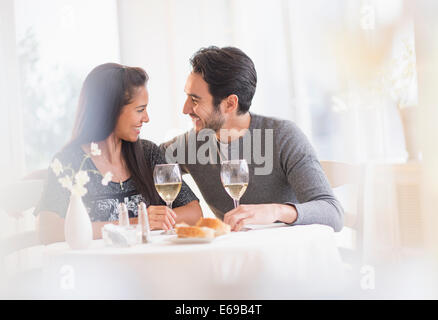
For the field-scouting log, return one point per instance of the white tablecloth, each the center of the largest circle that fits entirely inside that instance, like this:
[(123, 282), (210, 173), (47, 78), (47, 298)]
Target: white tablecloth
[(280, 262)]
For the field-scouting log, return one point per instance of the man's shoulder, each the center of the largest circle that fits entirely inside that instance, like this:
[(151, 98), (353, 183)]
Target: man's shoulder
[(286, 133), (279, 125)]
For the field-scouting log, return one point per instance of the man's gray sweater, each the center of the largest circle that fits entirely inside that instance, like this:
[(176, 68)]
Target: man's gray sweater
[(283, 168)]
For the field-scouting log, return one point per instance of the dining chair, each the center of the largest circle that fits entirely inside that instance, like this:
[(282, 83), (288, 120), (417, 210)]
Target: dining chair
[(17, 200), (341, 174), (19, 196)]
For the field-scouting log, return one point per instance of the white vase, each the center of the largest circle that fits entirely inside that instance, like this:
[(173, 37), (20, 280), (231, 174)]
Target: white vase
[(77, 226)]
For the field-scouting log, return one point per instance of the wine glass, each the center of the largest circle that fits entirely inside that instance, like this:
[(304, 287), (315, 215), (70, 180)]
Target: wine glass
[(235, 178), (167, 180)]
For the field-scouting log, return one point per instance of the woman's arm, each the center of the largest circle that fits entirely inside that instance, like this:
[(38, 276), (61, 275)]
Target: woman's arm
[(161, 217), (50, 227)]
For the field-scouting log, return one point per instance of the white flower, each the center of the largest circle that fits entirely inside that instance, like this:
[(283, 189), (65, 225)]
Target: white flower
[(95, 151), (81, 178), (56, 166), (107, 178), (66, 182), (78, 190)]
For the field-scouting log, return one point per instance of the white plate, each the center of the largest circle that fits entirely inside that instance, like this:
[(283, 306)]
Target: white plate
[(190, 240)]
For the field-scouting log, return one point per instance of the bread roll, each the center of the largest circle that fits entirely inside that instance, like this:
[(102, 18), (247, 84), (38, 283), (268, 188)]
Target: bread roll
[(219, 227), (184, 231)]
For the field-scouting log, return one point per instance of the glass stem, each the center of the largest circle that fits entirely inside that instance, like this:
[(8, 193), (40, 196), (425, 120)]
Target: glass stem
[(169, 205), (236, 203)]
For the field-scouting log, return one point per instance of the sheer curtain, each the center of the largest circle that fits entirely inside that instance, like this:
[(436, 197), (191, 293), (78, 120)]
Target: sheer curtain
[(11, 124), (12, 155), (426, 25)]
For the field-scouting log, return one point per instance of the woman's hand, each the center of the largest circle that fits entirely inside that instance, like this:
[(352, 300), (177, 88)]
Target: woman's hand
[(161, 217)]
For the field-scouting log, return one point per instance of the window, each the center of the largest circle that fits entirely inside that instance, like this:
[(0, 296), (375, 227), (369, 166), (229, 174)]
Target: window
[(58, 43)]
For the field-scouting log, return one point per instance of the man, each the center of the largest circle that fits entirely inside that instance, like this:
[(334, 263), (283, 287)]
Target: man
[(286, 181)]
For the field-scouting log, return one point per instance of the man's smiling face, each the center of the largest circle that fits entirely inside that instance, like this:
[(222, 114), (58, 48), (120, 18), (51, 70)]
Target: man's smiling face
[(199, 104)]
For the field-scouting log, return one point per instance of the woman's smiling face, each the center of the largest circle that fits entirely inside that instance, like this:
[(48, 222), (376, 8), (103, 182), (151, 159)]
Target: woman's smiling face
[(132, 117)]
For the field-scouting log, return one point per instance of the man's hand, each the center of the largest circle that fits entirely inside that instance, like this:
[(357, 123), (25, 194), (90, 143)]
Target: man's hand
[(260, 214), (161, 217)]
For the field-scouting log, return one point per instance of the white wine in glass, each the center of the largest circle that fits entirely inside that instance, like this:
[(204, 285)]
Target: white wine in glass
[(168, 191), (236, 190), (167, 180), (235, 178)]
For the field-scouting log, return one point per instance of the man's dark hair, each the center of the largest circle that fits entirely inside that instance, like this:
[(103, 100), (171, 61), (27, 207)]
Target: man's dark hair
[(227, 71)]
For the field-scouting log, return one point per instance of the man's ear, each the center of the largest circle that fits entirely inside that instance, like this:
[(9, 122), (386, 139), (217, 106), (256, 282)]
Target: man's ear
[(231, 103)]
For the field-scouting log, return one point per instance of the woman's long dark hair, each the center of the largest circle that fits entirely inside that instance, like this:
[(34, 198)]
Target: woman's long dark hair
[(105, 91)]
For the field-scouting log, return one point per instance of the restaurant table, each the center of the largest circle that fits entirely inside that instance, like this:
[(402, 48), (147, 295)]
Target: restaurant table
[(274, 261)]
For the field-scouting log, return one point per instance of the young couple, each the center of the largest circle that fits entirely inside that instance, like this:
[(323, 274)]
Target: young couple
[(113, 106)]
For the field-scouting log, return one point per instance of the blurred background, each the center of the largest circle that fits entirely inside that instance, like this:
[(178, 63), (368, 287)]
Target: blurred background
[(357, 76)]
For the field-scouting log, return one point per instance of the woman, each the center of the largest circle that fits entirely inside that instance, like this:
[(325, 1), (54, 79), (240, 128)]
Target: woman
[(112, 108)]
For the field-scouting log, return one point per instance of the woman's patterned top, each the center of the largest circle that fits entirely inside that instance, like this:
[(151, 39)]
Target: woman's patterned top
[(102, 201)]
